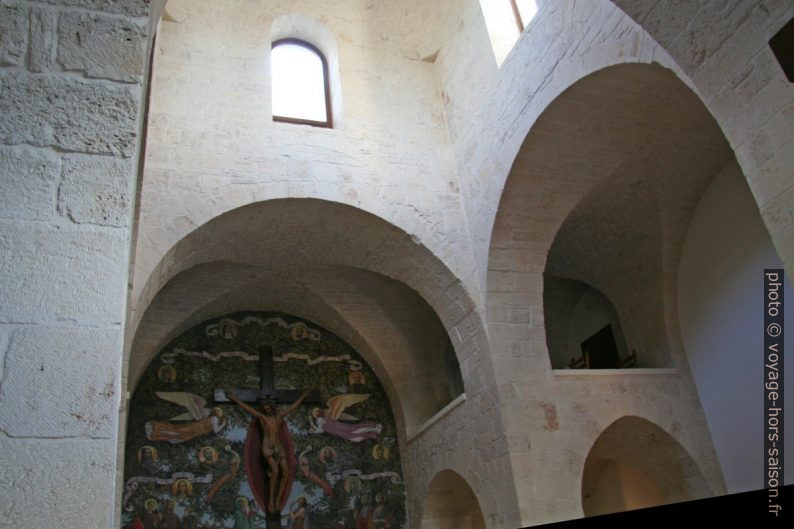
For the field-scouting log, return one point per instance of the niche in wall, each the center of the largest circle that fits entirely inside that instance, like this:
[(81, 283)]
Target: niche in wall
[(635, 464), (451, 504), (578, 317)]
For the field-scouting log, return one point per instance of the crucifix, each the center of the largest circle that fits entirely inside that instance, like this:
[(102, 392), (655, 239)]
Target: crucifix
[(268, 436)]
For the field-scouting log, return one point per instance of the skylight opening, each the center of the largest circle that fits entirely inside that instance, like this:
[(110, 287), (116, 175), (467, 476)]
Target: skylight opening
[(524, 11), (505, 21)]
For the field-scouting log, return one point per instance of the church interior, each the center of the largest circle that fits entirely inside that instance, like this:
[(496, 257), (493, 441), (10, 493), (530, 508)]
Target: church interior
[(489, 264)]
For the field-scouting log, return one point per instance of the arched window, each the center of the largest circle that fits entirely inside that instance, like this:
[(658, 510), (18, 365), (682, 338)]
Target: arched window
[(299, 74)]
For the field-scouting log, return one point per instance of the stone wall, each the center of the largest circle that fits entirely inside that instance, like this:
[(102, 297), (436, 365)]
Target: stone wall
[(461, 121), (72, 76), (431, 129)]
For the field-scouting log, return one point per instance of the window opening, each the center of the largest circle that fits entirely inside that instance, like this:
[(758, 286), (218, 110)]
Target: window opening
[(523, 10), (299, 74)]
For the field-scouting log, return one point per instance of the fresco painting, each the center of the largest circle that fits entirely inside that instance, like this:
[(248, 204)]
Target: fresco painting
[(202, 453)]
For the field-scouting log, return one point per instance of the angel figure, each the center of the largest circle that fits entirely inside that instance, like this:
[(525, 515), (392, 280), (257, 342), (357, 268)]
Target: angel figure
[(202, 420), (328, 419)]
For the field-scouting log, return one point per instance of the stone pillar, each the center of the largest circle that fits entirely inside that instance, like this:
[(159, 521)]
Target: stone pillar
[(71, 98)]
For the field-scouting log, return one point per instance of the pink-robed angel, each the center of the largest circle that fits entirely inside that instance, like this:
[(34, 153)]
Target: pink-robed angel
[(204, 420), (327, 420)]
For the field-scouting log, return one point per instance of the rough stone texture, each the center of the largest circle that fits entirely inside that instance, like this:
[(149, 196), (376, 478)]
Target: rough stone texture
[(43, 40), (101, 46), (60, 382), (13, 34), (426, 148), (72, 114), (440, 176), (62, 285), (61, 273), (96, 190), (136, 8), (47, 484), (28, 178)]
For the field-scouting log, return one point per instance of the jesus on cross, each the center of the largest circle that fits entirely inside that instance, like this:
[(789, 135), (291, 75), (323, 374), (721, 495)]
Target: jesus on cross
[(273, 451)]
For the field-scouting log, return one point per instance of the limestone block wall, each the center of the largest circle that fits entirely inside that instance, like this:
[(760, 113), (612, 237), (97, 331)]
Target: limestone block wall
[(430, 132), (71, 76)]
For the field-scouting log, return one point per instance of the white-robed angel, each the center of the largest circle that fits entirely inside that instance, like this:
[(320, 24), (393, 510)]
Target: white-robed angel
[(328, 420), (202, 420)]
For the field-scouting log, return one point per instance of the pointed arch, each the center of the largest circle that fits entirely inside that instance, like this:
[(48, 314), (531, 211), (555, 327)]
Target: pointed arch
[(634, 453), (450, 503)]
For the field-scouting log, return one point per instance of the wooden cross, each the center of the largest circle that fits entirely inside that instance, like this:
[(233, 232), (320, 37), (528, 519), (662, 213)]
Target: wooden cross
[(267, 388)]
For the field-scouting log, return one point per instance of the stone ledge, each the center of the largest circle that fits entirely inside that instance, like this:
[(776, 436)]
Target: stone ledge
[(642, 371), (457, 401)]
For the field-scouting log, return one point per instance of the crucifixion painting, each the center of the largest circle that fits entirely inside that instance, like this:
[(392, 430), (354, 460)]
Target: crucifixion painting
[(288, 402)]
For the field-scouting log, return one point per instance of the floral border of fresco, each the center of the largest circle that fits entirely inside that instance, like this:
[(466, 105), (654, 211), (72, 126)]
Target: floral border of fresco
[(185, 466)]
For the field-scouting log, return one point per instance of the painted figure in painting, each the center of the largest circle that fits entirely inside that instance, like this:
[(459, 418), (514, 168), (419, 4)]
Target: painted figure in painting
[(147, 456), (328, 420), (327, 455), (243, 514), (182, 488), (298, 516), (306, 470), (151, 520), (380, 452), (356, 377), (228, 477), (205, 420), (170, 519), (166, 373), (380, 516), (273, 451), (208, 455), (189, 520), (365, 513)]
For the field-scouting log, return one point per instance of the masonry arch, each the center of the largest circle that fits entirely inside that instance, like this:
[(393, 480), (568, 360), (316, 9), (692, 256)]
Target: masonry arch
[(608, 206), (450, 503), (379, 289), (635, 463), (358, 276)]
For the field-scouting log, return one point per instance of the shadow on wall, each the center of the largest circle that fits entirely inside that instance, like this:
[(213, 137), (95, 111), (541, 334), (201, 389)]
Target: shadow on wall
[(720, 296)]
